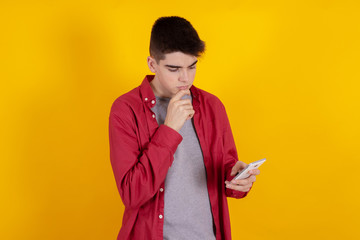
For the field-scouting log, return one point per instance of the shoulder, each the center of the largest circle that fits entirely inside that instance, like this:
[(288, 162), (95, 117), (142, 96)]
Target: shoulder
[(126, 102), (210, 99), (124, 109), (213, 110)]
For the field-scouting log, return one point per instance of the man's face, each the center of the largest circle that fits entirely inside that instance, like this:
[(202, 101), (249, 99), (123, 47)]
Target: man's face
[(175, 72)]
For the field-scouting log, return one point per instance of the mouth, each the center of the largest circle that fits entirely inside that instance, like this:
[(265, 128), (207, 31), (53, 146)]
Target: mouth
[(183, 87)]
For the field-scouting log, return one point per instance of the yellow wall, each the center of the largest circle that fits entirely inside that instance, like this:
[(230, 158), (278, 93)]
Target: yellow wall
[(287, 72)]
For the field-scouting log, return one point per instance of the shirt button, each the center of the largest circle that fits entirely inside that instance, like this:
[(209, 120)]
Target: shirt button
[(146, 99), (153, 115), (153, 101), (160, 216), (161, 189)]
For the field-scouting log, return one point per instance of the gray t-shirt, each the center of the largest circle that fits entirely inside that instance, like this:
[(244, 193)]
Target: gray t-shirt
[(187, 210)]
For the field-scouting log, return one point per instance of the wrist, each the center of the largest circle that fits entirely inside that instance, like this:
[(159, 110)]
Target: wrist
[(166, 124)]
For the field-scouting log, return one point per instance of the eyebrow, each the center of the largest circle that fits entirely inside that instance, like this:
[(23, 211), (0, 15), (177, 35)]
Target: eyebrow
[(173, 66)]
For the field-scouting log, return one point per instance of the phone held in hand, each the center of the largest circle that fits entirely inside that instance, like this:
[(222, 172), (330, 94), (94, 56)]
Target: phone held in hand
[(244, 173)]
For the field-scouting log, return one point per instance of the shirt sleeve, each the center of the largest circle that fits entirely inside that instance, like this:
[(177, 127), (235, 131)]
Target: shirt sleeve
[(139, 170), (230, 156)]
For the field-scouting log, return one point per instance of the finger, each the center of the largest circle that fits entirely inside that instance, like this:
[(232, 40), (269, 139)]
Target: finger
[(183, 102), (191, 114), (186, 109), (180, 94), (241, 182), (244, 182), (252, 178), (235, 168), (189, 117), (245, 188), (254, 172), (237, 186)]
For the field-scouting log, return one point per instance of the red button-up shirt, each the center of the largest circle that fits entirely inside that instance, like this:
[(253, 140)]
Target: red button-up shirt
[(141, 152)]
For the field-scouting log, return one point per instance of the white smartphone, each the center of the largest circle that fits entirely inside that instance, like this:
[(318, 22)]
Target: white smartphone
[(244, 173)]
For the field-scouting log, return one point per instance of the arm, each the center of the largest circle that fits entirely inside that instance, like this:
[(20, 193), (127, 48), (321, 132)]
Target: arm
[(230, 157), (139, 174)]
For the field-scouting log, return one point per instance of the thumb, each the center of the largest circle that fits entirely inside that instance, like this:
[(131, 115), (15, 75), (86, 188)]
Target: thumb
[(237, 167)]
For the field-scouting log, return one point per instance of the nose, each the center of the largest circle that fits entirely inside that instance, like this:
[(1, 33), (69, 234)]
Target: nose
[(184, 75)]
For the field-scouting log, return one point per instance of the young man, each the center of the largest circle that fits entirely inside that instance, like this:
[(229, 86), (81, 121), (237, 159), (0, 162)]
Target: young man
[(171, 146)]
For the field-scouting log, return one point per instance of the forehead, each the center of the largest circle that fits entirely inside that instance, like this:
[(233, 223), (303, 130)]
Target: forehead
[(178, 58)]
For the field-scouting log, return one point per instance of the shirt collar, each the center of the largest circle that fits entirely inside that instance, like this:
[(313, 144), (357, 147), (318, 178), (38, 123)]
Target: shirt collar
[(148, 96), (146, 92)]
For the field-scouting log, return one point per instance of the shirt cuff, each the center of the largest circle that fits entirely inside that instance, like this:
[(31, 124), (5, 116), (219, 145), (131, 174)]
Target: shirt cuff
[(168, 137), (235, 194)]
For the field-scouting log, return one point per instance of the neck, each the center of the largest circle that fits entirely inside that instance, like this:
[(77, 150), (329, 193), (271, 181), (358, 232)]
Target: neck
[(157, 88)]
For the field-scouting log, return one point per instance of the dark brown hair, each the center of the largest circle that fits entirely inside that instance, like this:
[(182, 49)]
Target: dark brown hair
[(172, 34)]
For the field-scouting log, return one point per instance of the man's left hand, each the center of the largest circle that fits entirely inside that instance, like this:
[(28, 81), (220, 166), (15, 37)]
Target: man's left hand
[(242, 185)]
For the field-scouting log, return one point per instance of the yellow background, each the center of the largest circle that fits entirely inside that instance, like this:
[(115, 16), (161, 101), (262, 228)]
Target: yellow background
[(287, 72)]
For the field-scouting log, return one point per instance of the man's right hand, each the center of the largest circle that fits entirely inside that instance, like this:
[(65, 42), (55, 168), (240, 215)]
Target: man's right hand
[(179, 110)]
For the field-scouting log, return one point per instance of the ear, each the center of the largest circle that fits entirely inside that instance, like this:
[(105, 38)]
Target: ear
[(152, 64)]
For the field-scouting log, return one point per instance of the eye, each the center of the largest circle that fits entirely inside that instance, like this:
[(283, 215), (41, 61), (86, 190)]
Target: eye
[(173, 69), (193, 67)]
